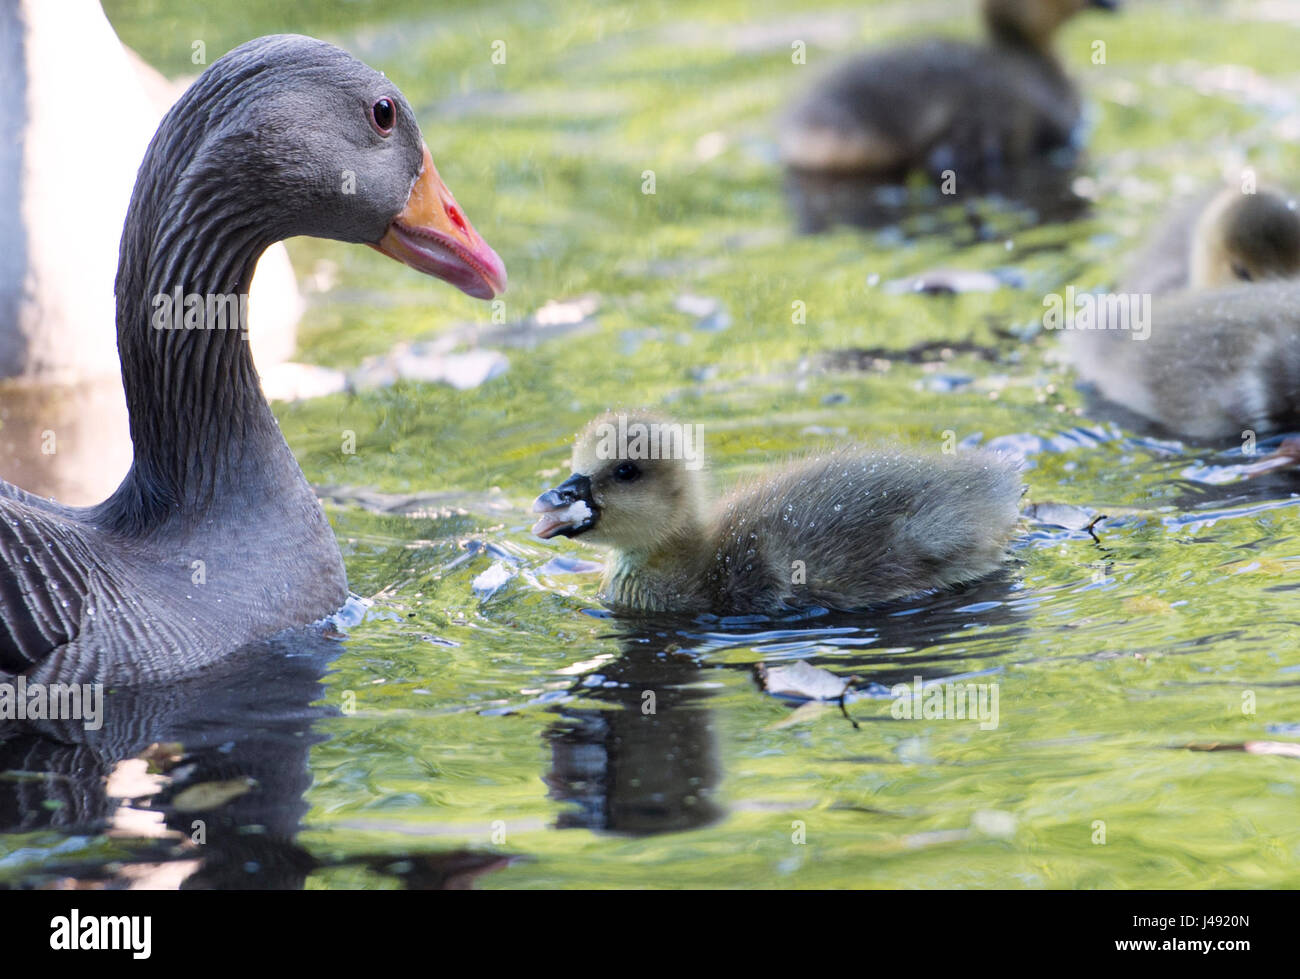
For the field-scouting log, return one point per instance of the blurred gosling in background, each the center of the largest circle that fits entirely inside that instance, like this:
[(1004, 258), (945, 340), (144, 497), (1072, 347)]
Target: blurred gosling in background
[(1221, 238), (1222, 359), (979, 110)]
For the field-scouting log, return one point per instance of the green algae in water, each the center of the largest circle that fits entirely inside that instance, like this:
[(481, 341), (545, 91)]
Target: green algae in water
[(512, 722)]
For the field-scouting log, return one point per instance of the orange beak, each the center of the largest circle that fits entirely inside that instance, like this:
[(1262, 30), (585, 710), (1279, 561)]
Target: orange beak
[(432, 235)]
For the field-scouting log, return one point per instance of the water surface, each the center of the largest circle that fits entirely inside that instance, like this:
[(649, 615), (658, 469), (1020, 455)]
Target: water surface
[(498, 737)]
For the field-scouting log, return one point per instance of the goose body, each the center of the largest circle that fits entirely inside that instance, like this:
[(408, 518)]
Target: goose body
[(979, 111), (1220, 357), (845, 529), (214, 538)]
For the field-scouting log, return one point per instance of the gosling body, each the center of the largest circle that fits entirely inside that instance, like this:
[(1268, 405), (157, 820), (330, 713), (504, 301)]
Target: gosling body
[(846, 529), (1216, 365), (977, 110)]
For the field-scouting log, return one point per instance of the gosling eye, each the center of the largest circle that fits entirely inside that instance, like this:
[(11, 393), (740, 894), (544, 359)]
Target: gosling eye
[(383, 116), (626, 472), (1242, 273)]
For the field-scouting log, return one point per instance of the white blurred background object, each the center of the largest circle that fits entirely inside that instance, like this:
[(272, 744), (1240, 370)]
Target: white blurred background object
[(81, 109)]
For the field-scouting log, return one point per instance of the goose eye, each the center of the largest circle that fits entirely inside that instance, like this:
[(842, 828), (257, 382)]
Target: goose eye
[(382, 115), (626, 472), (1242, 273)]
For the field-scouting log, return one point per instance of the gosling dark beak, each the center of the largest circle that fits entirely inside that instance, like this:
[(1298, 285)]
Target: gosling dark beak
[(1105, 4), (567, 510), (433, 236)]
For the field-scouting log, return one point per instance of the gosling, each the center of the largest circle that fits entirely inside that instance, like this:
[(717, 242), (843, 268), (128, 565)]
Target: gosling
[(1220, 239), (980, 111), (845, 529), (1217, 366), (1220, 358)]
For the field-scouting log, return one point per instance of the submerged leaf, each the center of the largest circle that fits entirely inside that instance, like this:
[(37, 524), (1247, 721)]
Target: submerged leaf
[(211, 795)]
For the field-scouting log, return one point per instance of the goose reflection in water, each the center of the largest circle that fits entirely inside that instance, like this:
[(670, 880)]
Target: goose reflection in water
[(201, 783), (1039, 193)]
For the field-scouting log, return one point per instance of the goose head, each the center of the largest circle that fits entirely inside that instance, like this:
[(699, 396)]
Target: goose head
[(637, 485), (283, 136), (1035, 21), (298, 136), (1245, 238)]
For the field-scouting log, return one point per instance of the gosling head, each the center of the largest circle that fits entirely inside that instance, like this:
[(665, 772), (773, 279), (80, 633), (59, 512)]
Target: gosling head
[(1036, 21), (637, 485), (1245, 238)]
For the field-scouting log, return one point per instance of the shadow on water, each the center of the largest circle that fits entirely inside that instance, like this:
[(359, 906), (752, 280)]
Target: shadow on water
[(200, 784)]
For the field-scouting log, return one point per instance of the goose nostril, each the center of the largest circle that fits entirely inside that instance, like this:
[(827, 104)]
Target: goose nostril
[(457, 218), (555, 499)]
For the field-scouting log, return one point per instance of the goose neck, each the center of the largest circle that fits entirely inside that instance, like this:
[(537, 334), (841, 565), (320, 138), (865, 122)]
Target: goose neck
[(200, 426)]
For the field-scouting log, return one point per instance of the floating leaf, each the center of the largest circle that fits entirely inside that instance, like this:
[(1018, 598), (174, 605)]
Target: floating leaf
[(1061, 515), (943, 282), (494, 578), (801, 680), (1288, 749)]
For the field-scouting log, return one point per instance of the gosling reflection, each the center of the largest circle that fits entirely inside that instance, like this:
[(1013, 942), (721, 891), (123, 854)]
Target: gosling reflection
[(820, 201), (646, 764)]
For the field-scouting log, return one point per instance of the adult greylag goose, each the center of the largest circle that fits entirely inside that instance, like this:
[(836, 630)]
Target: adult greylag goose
[(979, 110), (1219, 360), (844, 529), (214, 538)]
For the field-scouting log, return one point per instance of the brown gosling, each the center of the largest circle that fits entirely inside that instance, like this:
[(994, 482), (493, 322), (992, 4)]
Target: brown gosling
[(979, 110)]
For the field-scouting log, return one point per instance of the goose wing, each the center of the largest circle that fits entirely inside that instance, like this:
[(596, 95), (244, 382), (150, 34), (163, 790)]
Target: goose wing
[(44, 578)]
